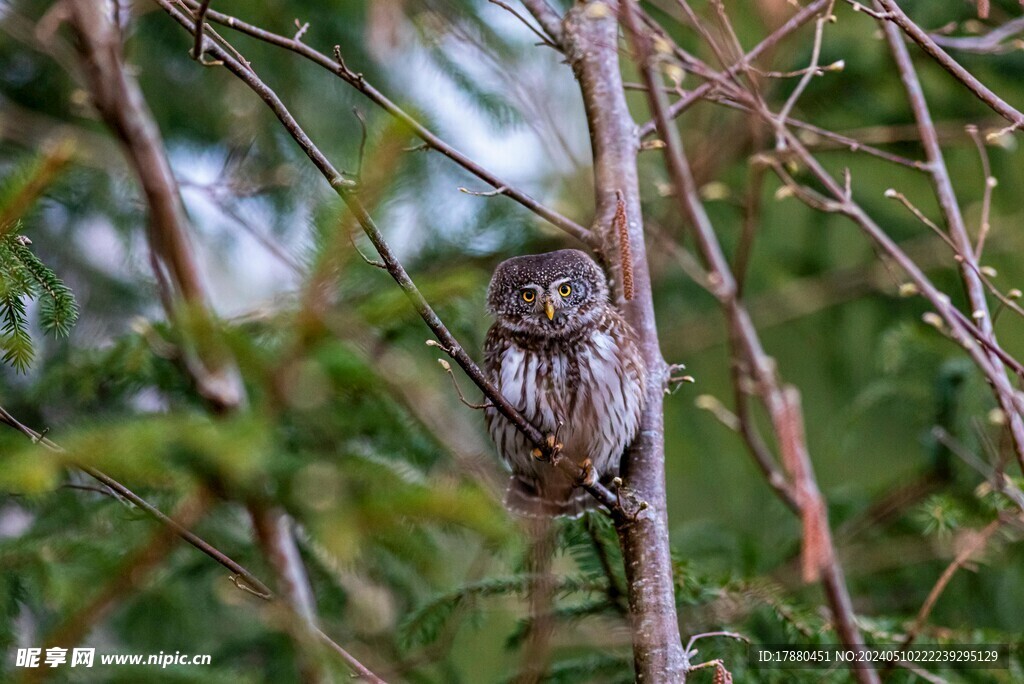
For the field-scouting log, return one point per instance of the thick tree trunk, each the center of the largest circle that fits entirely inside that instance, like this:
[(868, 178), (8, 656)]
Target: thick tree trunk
[(590, 40)]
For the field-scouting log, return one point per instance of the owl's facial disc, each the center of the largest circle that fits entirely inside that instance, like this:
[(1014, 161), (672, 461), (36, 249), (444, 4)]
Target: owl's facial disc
[(548, 295)]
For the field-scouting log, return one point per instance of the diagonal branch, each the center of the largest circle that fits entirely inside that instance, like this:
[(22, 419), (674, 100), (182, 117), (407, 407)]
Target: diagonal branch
[(447, 341), (120, 103), (942, 184), (119, 99), (995, 41), (982, 348), (547, 17), (893, 13), (773, 39), (783, 402), (359, 82), (240, 577), (977, 542)]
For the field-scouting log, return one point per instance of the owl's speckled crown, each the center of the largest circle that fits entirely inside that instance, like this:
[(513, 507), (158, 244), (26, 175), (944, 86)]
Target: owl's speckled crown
[(512, 274)]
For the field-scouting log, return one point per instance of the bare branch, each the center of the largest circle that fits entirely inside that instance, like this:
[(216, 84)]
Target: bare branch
[(986, 198), (779, 34), (978, 541), (943, 186), (480, 193), (707, 635), (455, 383), (361, 670), (117, 97), (545, 40), (547, 17), (811, 72), (896, 15), (119, 100), (197, 47), (996, 41), (240, 577), (783, 402), (358, 82)]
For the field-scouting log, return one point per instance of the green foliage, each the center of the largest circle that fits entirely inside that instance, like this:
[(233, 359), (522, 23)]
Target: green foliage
[(424, 625), (354, 430), (593, 668), (940, 515), (23, 276)]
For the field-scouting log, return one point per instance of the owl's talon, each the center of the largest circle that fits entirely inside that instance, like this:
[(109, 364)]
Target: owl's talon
[(537, 454), (588, 474), (551, 449)]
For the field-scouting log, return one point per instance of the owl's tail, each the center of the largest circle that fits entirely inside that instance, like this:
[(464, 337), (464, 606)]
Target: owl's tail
[(525, 497)]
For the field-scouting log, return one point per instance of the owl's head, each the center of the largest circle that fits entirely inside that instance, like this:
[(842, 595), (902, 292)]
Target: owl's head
[(550, 294)]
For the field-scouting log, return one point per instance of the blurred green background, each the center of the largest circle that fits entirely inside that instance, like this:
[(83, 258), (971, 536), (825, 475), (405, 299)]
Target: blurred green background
[(355, 428)]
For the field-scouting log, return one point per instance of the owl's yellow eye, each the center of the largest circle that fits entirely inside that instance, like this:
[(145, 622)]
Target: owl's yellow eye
[(529, 296), (565, 290)]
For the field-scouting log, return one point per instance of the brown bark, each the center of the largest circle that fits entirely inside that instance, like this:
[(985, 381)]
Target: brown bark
[(590, 40)]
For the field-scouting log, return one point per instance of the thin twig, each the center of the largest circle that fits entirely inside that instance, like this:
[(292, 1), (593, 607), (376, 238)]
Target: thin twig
[(706, 635), (197, 46), (943, 186), (482, 193), (999, 481), (779, 34), (361, 670), (979, 539), (819, 30), (986, 198), (545, 40), (995, 41), (896, 15), (547, 17), (363, 134), (360, 83), (462, 397)]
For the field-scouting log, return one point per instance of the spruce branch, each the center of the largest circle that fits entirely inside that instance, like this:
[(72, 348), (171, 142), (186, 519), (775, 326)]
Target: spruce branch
[(24, 277)]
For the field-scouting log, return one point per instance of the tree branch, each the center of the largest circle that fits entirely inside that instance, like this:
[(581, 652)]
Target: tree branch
[(943, 186), (782, 402), (240, 577), (590, 40), (776, 36), (547, 17), (893, 13), (119, 100), (988, 43), (357, 81)]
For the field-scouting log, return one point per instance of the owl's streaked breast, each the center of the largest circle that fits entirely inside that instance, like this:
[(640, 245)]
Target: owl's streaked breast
[(588, 388)]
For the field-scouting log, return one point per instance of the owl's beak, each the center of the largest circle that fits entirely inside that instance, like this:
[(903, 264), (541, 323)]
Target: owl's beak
[(549, 309)]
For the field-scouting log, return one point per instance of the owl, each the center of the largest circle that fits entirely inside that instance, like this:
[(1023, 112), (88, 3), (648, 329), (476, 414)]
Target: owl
[(569, 362)]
